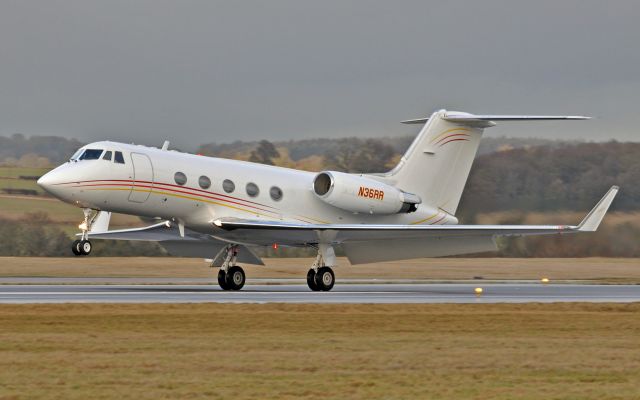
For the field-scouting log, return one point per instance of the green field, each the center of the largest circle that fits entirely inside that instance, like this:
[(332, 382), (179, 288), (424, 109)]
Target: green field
[(218, 351), (10, 178)]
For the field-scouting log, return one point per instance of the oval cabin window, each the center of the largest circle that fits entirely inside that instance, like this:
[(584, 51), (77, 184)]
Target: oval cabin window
[(204, 182), (252, 189), (180, 178), (228, 186), (275, 193)]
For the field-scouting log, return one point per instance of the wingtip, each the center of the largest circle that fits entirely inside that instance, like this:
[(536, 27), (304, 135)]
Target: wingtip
[(592, 221)]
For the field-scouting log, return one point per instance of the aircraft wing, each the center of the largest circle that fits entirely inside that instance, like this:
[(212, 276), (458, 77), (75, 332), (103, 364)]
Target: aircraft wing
[(167, 235), (367, 243)]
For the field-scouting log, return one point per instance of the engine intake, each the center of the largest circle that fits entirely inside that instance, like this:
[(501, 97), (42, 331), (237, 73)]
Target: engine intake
[(359, 194)]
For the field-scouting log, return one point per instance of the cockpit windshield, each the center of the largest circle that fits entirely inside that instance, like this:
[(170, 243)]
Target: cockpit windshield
[(90, 154)]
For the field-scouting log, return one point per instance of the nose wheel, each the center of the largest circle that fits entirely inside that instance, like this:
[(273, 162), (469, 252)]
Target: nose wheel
[(81, 247)]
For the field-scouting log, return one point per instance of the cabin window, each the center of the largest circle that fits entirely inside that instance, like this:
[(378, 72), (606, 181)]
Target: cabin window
[(275, 193), (204, 182), (91, 154), (118, 159), (180, 178), (252, 189), (228, 186), (107, 155)]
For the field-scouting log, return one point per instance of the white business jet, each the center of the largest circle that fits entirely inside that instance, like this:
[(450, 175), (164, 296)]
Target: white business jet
[(219, 209)]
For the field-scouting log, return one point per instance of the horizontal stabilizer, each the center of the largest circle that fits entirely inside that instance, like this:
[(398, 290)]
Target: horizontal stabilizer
[(454, 116)]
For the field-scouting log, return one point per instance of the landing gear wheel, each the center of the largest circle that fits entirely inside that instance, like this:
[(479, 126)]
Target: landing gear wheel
[(75, 247), (235, 278), (311, 280), (325, 279), (222, 279), (85, 247)]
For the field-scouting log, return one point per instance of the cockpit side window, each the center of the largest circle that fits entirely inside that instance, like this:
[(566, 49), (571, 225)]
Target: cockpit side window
[(107, 155), (75, 155), (91, 154), (118, 159)]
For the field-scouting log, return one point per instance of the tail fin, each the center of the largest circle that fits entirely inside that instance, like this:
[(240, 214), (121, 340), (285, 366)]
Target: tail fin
[(437, 164)]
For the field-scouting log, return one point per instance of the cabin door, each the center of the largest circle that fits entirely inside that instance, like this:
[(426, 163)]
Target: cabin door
[(142, 183)]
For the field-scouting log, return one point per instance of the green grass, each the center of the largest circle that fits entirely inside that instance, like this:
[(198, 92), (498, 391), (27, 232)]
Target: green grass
[(16, 172), (9, 178), (218, 351)]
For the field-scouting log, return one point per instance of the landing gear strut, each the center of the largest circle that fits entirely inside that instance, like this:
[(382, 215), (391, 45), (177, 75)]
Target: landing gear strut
[(321, 277), (83, 246), (230, 275)]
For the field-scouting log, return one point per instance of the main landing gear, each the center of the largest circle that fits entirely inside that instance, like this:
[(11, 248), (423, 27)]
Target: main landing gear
[(230, 275), (320, 277), (83, 246)]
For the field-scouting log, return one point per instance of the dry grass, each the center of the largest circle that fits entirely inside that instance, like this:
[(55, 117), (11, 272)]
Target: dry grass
[(217, 351), (597, 269)]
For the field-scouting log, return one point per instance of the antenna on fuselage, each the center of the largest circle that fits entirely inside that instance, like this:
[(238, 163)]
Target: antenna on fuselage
[(165, 146)]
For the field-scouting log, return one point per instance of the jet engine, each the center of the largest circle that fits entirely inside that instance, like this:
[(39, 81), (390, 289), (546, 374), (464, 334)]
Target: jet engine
[(358, 194)]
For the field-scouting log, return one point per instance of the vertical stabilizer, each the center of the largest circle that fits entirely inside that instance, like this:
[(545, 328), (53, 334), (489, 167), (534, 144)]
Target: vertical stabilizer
[(437, 164)]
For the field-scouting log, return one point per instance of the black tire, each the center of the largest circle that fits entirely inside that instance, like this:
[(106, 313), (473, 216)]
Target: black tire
[(75, 247), (222, 279), (235, 278), (85, 247), (325, 279), (311, 280)]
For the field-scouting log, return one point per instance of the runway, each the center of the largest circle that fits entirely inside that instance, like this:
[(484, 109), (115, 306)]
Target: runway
[(342, 293)]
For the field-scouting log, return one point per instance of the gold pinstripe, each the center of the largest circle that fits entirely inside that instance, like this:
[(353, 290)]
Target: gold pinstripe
[(153, 191), (426, 219)]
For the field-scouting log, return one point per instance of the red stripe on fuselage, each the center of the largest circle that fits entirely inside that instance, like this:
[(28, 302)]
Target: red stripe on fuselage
[(133, 182)]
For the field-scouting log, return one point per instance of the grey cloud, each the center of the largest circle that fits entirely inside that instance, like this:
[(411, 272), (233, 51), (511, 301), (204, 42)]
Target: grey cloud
[(201, 71)]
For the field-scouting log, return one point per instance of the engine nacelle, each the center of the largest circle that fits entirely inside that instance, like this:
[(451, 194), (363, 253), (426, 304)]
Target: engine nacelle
[(362, 195)]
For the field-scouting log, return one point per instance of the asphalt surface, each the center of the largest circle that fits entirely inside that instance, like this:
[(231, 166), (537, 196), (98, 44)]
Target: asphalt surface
[(341, 293)]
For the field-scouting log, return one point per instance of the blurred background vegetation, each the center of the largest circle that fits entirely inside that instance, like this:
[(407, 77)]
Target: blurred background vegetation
[(513, 181)]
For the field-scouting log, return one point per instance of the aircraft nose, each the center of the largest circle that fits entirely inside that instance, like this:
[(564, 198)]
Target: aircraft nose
[(50, 182), (46, 180)]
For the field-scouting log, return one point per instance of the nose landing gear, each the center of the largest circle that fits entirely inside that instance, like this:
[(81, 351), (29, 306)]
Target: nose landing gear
[(83, 246)]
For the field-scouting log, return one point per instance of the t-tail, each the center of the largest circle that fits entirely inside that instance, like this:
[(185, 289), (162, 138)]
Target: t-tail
[(437, 164)]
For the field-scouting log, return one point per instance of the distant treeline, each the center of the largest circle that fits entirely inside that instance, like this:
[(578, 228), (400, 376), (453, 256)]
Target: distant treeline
[(572, 177), (304, 148), (52, 148), (27, 151)]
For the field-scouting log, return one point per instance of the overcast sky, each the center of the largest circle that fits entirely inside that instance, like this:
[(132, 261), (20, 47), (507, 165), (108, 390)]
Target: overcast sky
[(216, 71)]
